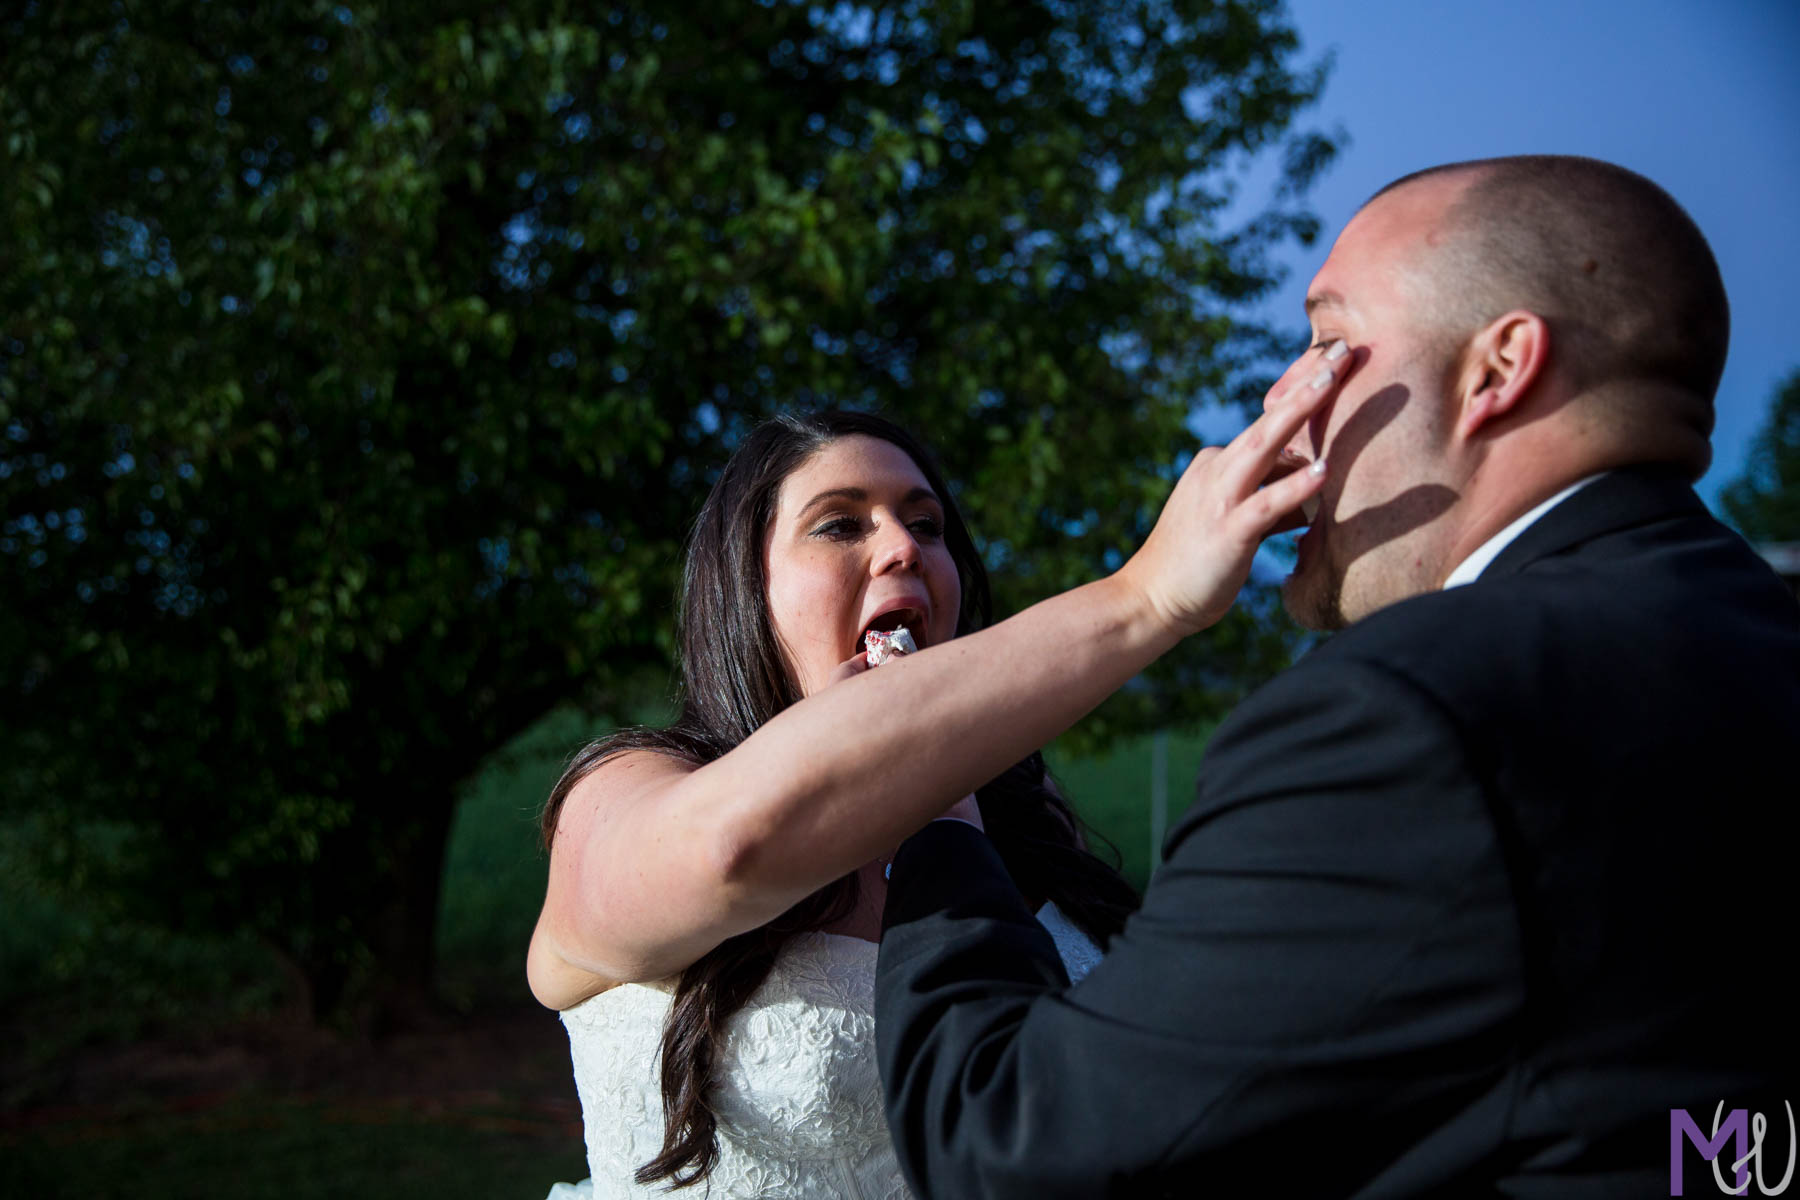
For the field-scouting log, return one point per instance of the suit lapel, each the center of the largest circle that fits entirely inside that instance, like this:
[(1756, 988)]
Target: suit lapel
[(1623, 499)]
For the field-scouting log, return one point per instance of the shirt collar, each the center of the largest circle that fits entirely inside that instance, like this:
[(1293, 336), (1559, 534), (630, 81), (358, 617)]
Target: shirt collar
[(1470, 568)]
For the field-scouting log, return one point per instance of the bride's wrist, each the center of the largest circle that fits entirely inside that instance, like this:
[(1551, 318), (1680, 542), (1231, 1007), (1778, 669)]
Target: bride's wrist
[(1142, 611)]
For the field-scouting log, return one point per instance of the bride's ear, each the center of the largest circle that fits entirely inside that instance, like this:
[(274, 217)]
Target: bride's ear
[(1504, 361)]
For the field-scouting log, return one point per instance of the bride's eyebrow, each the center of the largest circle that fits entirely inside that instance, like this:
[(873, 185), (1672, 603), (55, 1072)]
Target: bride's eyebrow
[(858, 495)]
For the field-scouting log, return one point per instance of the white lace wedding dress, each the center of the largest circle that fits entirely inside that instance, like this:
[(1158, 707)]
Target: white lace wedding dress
[(798, 1098)]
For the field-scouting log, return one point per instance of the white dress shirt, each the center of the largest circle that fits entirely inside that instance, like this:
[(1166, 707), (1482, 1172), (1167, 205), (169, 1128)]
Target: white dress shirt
[(1470, 568)]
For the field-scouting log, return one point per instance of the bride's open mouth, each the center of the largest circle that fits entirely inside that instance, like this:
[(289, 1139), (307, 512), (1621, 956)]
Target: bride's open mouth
[(905, 617)]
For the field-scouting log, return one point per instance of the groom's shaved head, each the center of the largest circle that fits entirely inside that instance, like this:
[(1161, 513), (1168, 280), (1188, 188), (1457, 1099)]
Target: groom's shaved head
[(1621, 274)]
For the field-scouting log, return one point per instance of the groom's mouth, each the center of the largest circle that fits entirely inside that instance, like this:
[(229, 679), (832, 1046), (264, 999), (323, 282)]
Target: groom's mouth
[(1304, 550), (1307, 548)]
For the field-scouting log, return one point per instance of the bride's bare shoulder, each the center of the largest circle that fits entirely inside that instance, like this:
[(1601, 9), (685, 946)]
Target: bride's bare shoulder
[(582, 943), (625, 778)]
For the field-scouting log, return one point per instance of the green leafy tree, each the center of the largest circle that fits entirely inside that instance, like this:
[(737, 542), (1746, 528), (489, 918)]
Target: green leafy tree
[(1764, 502), (361, 368)]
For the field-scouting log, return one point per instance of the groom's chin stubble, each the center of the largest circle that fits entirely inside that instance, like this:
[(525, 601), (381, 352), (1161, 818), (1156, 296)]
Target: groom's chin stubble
[(1314, 602)]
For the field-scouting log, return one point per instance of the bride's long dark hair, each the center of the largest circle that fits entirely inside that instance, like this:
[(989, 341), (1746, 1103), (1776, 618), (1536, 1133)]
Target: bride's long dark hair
[(733, 679)]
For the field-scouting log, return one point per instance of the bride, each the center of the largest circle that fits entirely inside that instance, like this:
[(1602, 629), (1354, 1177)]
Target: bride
[(715, 891)]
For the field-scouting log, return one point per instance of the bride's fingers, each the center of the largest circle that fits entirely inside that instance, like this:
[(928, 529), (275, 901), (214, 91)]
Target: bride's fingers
[(1295, 519), (1304, 375), (1256, 453), (1276, 507), (856, 664), (1286, 463)]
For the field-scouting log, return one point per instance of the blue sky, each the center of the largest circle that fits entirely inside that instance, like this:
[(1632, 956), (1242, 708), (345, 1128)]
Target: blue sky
[(1703, 96)]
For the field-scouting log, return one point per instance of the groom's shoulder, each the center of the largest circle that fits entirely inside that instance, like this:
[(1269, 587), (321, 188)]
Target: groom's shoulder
[(1454, 651), (1412, 661), (1675, 618)]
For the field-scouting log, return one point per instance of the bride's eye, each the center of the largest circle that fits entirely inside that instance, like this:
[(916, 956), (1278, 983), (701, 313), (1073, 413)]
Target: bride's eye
[(837, 527), (928, 527)]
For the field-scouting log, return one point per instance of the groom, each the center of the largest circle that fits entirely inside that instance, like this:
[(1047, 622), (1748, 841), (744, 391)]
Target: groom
[(1476, 894)]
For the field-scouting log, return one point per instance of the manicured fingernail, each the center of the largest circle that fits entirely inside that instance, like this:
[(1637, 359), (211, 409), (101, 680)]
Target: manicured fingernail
[(1322, 380), (1318, 466), (1338, 349)]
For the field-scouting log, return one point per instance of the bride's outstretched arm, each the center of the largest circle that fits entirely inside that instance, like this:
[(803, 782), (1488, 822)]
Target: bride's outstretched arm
[(656, 861)]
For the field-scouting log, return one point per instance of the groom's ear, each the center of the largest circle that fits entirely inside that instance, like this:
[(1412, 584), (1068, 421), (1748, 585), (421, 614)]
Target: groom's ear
[(1504, 361)]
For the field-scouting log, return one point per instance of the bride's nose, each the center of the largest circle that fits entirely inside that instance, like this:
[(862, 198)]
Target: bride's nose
[(895, 549)]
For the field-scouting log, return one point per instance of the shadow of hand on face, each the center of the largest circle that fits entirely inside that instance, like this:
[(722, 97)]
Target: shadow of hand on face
[(1409, 509)]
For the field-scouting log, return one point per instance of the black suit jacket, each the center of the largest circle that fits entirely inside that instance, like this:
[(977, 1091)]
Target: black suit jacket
[(1468, 900)]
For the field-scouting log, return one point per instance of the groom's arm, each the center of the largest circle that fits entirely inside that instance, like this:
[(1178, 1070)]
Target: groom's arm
[(1325, 966)]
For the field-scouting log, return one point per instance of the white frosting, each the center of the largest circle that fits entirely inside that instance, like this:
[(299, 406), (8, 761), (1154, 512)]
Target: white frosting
[(883, 645)]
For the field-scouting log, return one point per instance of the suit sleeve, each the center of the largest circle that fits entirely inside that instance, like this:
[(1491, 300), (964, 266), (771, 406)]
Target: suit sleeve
[(1327, 958)]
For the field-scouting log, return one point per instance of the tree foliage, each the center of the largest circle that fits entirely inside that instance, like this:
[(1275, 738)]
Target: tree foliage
[(361, 368), (1764, 502)]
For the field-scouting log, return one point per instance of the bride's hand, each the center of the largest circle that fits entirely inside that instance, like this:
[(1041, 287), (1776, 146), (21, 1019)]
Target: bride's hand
[(855, 665), (1228, 500)]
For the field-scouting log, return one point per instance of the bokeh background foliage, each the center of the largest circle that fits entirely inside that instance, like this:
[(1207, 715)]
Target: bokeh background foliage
[(1764, 501), (361, 369)]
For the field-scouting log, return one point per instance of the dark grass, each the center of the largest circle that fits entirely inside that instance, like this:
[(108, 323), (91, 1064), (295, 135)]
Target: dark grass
[(260, 1147), (495, 867)]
